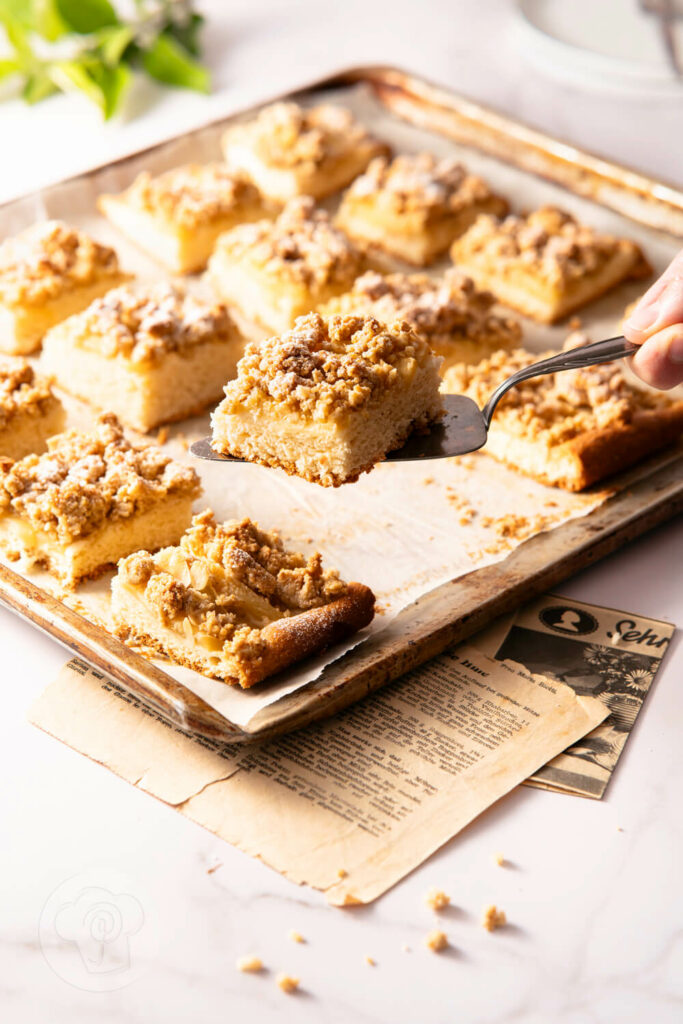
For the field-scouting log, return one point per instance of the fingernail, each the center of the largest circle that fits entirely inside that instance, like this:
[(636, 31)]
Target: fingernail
[(642, 318), (675, 352)]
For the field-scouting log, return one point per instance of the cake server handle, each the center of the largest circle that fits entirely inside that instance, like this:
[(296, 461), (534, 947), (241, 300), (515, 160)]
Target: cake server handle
[(573, 359)]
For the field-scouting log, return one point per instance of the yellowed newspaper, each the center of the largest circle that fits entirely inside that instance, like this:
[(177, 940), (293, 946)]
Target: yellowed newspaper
[(600, 652), (352, 805)]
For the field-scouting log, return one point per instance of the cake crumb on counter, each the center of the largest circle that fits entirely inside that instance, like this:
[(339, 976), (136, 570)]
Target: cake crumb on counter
[(162, 435), (286, 982), (370, 961), (493, 918), (499, 859), (214, 867), (341, 873), (437, 899), (436, 941), (295, 936), (249, 964)]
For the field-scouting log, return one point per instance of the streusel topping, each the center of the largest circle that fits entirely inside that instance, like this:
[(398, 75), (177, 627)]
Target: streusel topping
[(143, 325), (548, 242), (84, 480), (419, 183), (438, 309), (21, 390), (47, 260), (193, 194), (325, 366), (286, 135), (301, 245), (559, 406), (229, 580)]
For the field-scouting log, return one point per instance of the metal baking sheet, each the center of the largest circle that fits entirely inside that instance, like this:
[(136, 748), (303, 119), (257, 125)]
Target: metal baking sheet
[(413, 115)]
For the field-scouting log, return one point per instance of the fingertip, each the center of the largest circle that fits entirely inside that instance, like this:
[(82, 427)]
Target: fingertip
[(658, 361)]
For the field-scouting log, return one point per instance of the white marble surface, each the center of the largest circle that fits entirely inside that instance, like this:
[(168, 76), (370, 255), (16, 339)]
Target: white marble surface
[(593, 893)]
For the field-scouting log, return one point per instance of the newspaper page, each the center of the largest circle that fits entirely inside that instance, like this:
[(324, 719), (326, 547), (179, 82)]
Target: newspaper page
[(600, 652), (352, 805)]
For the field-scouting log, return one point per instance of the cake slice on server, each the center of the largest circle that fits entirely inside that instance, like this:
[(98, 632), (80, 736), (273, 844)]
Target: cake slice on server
[(91, 499), (47, 273), (150, 354), (329, 399), (230, 601)]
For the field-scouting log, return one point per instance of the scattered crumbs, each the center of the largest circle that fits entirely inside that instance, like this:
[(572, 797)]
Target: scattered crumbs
[(406, 948), (295, 936), (619, 829), (436, 941), (162, 436), (514, 527), (499, 859), (467, 517), (342, 873), (437, 899), (370, 961), (182, 441), (550, 504), (286, 982), (575, 323), (493, 918), (249, 964), (428, 480), (214, 867)]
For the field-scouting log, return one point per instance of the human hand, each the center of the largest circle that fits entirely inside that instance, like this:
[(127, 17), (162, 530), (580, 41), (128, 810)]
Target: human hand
[(656, 324)]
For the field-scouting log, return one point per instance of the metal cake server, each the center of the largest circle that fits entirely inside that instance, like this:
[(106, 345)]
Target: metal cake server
[(464, 426)]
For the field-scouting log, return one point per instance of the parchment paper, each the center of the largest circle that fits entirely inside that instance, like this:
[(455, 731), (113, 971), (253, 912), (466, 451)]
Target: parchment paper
[(352, 805), (402, 529)]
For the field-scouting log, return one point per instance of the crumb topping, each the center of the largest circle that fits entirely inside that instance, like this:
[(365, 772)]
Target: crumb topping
[(440, 310), (419, 183), (85, 480), (558, 407), (193, 194), (493, 918), (22, 391), (144, 325), (436, 941), (437, 899), (549, 243), (224, 582), (326, 366), (287, 983), (48, 259), (285, 135), (249, 964), (301, 244)]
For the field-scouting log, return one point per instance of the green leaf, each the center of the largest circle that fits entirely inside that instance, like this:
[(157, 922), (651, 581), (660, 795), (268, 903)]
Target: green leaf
[(86, 16), (46, 20), (38, 86), (114, 41), (168, 61), (188, 35), (113, 83), (71, 75), (17, 38), (17, 10), (8, 67)]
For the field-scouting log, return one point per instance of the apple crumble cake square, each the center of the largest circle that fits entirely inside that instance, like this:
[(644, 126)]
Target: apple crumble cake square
[(546, 264), (572, 428), (90, 499), (414, 206), (451, 314), (230, 601), (330, 398), (177, 216), (275, 271), (47, 273), (288, 151), (150, 355), (29, 411)]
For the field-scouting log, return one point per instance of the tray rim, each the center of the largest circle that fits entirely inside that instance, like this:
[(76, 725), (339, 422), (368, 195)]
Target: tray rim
[(96, 646)]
